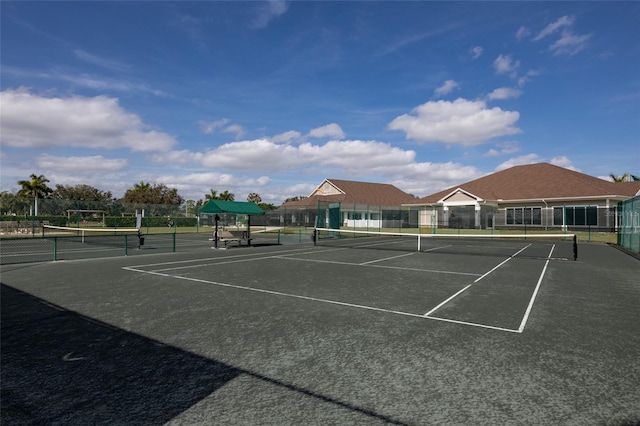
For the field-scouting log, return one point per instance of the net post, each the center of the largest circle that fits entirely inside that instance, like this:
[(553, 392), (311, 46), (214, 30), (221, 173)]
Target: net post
[(419, 241), (55, 248), (575, 247), (126, 245), (174, 243), (314, 236)]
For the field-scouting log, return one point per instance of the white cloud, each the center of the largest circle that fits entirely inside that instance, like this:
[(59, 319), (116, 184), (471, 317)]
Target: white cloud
[(569, 44), (93, 164), (84, 80), (32, 121), (235, 129), (101, 61), (213, 180), (563, 161), (330, 130), (503, 148), (446, 88), (564, 21), (458, 122), (357, 156), (503, 64), (422, 179), (178, 157), (344, 157), (476, 52), (520, 161), (269, 11), (504, 93), (527, 77), (522, 32), (286, 137), (209, 127)]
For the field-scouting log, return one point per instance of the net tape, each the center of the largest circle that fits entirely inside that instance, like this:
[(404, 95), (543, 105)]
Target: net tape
[(461, 244)]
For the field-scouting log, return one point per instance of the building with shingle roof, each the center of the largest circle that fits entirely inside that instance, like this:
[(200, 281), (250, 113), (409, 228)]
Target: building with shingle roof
[(530, 196), (354, 192), (533, 195), (339, 202)]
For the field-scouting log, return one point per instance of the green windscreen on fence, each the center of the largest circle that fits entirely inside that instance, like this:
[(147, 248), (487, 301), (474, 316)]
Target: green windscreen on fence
[(629, 224)]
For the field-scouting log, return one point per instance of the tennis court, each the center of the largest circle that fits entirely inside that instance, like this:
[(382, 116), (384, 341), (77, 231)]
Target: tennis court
[(349, 331)]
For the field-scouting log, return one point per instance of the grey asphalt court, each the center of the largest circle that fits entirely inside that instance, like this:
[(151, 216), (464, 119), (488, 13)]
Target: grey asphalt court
[(299, 334)]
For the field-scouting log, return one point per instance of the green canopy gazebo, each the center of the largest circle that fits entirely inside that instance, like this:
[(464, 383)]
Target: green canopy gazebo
[(234, 207)]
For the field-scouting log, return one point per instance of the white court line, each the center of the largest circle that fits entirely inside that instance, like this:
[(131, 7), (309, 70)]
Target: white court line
[(446, 301), (401, 268), (386, 258), (210, 258), (503, 262), (315, 299), (436, 248), (461, 291), (535, 293), (473, 324)]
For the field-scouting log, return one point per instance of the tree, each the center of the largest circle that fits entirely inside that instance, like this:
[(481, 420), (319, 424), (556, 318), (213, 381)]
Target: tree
[(152, 194), (213, 195), (296, 198), (80, 192), (267, 206), (36, 188), (254, 197), (12, 205), (623, 178), (227, 196)]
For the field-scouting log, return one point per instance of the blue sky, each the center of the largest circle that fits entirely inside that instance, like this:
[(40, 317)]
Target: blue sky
[(274, 97)]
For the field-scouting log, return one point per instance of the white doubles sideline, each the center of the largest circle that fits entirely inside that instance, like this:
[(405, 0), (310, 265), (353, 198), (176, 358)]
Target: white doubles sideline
[(286, 255)]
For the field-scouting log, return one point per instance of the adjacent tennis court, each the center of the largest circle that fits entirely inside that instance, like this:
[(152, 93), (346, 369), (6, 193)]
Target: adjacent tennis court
[(367, 329)]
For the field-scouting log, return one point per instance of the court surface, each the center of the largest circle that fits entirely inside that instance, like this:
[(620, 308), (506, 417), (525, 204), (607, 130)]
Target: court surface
[(303, 334)]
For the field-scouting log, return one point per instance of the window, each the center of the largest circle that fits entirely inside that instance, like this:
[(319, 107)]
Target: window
[(558, 216), (576, 216), (524, 216)]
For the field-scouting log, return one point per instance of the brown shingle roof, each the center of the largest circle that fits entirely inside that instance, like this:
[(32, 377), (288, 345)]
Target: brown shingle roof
[(378, 194), (538, 181)]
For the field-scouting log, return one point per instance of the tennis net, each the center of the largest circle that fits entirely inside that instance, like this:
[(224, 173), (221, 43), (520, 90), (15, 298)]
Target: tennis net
[(546, 246), (118, 237)]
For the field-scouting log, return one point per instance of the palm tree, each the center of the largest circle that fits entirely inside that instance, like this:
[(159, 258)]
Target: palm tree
[(623, 178), (254, 197), (36, 188), (211, 196), (138, 193), (227, 196)]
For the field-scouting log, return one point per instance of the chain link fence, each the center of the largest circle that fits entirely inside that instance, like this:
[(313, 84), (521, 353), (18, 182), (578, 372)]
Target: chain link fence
[(629, 229), (23, 218)]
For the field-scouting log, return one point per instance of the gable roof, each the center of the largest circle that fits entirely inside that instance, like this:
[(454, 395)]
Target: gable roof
[(348, 191), (237, 207), (538, 181)]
